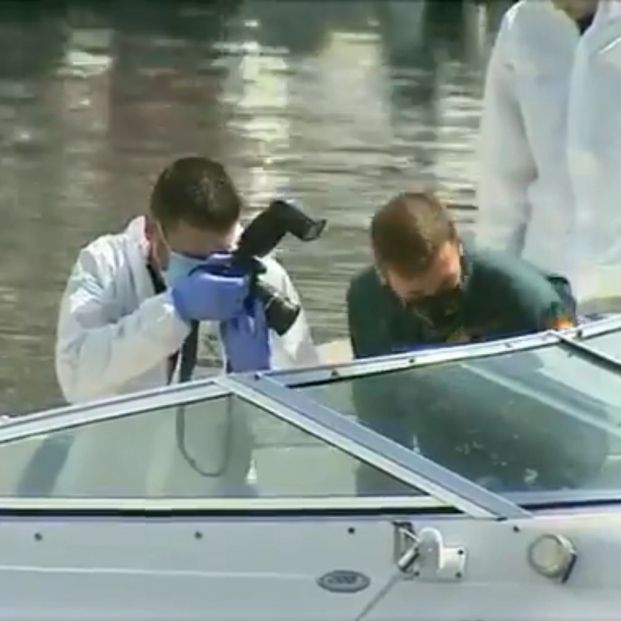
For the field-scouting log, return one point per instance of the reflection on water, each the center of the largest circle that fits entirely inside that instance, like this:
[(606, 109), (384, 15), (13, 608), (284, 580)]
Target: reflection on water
[(338, 107)]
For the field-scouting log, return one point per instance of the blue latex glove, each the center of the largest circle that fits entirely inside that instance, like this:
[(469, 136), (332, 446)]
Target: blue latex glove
[(211, 292), (246, 340)]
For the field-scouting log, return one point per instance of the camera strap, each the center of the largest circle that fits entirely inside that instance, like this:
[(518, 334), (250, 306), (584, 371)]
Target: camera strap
[(189, 349), (189, 353)]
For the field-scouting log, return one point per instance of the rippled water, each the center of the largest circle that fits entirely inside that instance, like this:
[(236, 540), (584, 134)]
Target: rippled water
[(339, 104)]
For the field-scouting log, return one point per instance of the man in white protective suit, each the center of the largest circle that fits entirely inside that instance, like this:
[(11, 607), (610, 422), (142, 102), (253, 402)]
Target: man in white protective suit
[(550, 178), (127, 310)]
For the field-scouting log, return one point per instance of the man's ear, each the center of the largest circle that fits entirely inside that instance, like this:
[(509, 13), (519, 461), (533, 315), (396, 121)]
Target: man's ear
[(157, 250), (150, 228)]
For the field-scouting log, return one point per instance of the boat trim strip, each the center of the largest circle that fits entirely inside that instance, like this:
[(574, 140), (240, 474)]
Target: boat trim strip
[(381, 504)]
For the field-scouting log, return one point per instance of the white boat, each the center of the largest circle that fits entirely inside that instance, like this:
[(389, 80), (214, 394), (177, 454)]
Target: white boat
[(508, 509)]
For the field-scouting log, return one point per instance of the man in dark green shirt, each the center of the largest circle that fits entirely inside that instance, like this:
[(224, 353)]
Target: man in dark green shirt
[(428, 289)]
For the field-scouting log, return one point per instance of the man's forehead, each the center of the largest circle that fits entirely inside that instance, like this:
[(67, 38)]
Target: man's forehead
[(443, 268), (198, 242), (183, 230)]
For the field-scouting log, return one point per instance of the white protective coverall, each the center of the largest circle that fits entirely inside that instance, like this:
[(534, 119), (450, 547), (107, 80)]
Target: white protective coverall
[(550, 178), (115, 336)]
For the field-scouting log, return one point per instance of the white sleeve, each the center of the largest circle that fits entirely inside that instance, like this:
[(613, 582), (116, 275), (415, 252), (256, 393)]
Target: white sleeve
[(507, 167), (97, 354), (295, 348)]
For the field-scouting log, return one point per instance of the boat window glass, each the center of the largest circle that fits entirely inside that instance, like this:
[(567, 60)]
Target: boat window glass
[(222, 447), (522, 421), (609, 343)]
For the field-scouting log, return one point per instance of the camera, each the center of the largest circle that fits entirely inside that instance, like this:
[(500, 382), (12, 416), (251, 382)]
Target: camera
[(259, 238)]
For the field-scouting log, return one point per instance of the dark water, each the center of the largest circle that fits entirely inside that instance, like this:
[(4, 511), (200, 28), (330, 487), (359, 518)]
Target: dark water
[(339, 104)]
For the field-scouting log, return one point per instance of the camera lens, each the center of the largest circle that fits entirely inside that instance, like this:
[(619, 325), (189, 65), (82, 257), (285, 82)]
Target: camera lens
[(280, 313)]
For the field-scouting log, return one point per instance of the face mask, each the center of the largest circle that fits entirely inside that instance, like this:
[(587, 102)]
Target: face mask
[(179, 266), (441, 308)]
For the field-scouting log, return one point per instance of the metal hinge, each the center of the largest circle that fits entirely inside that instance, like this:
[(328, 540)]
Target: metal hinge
[(424, 556)]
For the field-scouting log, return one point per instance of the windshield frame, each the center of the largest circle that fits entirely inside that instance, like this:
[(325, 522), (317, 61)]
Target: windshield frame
[(328, 425), (274, 392), (373, 448), (23, 426), (454, 353), (599, 327), (575, 339)]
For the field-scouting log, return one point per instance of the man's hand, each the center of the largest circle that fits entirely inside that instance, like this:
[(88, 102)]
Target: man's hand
[(212, 292), (246, 340)]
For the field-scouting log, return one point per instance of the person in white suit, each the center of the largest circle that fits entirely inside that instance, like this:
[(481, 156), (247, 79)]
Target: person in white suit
[(124, 316), (116, 333), (550, 143)]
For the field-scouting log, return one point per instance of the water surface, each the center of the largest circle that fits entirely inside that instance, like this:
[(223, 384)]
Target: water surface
[(338, 104)]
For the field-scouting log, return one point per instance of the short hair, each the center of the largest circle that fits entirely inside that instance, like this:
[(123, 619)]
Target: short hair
[(197, 191), (408, 231)]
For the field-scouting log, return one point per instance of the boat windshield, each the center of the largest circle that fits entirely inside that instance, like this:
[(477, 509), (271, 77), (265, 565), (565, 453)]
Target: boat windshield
[(529, 421), (536, 421), (211, 448)]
